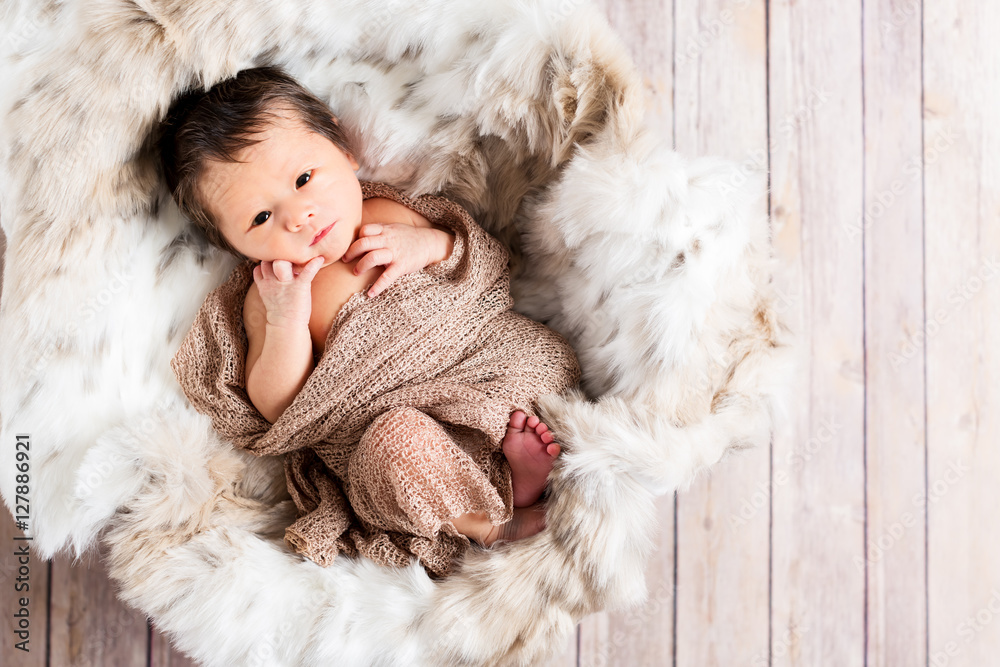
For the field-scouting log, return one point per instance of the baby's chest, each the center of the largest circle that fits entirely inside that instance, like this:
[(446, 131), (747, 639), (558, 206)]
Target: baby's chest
[(332, 287)]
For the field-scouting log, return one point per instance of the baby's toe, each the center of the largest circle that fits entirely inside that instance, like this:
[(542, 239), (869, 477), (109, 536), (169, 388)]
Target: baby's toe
[(553, 449), (546, 437), (532, 421), (541, 428), (517, 420)]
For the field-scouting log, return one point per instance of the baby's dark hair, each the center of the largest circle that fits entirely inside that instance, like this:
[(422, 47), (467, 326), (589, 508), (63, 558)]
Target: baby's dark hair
[(218, 123)]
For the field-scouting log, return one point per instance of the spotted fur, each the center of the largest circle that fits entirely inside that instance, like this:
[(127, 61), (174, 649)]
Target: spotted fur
[(655, 267)]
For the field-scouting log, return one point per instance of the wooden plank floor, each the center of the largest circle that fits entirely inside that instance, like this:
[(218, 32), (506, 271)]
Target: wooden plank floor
[(867, 532)]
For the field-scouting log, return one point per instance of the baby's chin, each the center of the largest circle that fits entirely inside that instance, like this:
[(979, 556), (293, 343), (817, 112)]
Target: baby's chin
[(297, 267), (327, 261)]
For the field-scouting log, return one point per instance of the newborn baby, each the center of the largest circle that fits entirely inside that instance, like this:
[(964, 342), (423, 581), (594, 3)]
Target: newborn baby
[(265, 169)]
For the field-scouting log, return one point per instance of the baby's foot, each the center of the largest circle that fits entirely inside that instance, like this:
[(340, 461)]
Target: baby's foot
[(530, 450), (527, 521)]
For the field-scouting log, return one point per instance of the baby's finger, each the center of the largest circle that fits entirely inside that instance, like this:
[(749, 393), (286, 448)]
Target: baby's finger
[(371, 229), (384, 280), (266, 270), (361, 246), (282, 270), (311, 268), (374, 258)]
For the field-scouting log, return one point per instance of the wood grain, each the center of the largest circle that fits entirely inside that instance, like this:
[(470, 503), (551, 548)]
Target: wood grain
[(961, 144), (891, 227), (162, 654), (13, 579), (90, 626), (647, 29), (818, 514)]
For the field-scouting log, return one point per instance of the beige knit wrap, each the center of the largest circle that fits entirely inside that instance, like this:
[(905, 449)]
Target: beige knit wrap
[(399, 426)]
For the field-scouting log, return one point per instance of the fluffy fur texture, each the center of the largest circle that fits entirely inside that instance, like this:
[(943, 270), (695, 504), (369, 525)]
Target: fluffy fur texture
[(527, 113)]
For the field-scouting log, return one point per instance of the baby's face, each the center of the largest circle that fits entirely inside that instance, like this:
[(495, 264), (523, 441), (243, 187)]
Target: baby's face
[(289, 188)]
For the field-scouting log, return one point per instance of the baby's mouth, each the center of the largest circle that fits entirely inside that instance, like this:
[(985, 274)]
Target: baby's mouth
[(321, 234)]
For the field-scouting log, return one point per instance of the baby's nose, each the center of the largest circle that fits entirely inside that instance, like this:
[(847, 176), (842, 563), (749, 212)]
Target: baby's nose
[(300, 220)]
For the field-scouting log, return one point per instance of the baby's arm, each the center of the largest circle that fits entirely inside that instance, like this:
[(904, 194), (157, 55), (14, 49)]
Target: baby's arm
[(279, 358)]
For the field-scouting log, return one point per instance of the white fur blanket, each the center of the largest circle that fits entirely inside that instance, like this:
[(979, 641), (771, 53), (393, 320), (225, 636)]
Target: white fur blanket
[(656, 269)]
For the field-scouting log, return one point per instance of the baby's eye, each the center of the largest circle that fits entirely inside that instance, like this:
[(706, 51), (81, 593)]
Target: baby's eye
[(261, 218), (303, 179)]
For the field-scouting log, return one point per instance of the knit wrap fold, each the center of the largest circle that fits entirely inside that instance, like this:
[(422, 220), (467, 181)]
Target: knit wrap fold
[(443, 340)]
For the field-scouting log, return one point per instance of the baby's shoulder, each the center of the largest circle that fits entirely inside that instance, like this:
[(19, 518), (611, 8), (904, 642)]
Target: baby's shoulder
[(383, 210)]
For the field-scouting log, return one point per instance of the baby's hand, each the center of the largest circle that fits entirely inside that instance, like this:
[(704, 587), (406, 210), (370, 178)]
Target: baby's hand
[(400, 247), (287, 297)]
